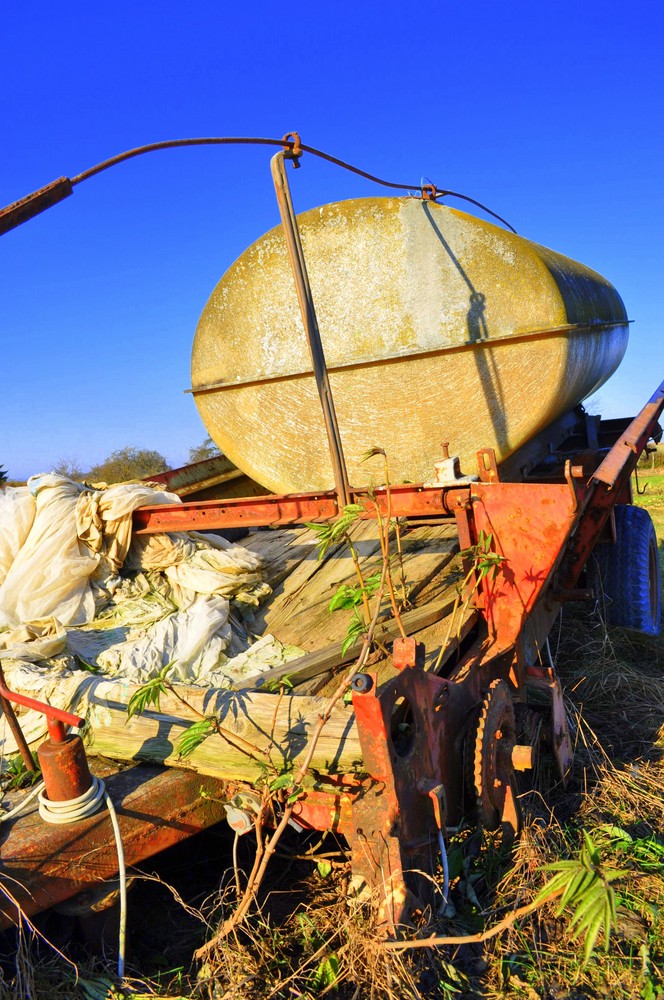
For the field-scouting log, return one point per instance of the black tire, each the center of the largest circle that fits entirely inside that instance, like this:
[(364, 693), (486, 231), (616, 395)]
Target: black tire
[(625, 574)]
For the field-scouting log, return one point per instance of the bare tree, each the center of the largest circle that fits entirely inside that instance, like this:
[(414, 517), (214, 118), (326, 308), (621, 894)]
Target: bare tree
[(69, 467), (202, 451)]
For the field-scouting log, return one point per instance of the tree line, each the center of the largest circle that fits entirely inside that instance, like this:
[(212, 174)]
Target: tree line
[(124, 464)]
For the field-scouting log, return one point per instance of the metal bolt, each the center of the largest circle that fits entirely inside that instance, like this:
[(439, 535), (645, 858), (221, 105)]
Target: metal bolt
[(361, 683)]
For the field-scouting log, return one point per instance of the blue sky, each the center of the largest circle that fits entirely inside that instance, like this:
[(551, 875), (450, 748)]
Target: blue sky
[(549, 113)]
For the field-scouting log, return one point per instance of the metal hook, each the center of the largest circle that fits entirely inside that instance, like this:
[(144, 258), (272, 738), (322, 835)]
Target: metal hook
[(293, 152), (636, 482)]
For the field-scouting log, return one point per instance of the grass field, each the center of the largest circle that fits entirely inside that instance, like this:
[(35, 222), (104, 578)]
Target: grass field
[(653, 501), (307, 942)]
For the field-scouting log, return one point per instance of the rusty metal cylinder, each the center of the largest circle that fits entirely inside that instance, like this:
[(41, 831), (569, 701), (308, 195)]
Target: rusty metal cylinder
[(436, 326), (64, 767)]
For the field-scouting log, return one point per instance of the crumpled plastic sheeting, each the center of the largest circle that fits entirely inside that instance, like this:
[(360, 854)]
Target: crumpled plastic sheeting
[(34, 641), (193, 641), (51, 570), (200, 564), (17, 512), (76, 533), (103, 518), (130, 606)]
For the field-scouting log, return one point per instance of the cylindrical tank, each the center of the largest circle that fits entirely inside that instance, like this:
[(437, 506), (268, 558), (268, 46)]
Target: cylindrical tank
[(436, 326)]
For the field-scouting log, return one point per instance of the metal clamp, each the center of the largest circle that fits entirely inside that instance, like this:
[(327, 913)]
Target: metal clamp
[(293, 152)]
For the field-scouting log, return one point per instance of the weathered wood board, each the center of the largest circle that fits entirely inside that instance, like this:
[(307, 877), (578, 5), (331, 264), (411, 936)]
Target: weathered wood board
[(263, 731), (297, 614), (262, 734)]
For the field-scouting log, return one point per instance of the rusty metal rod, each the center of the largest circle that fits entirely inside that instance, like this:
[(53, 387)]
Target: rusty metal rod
[(16, 730), (47, 196), (305, 299), (50, 711)]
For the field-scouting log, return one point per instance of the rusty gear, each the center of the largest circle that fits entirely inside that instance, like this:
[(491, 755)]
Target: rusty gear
[(493, 771)]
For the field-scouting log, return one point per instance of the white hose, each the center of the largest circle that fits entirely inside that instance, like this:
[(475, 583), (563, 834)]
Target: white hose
[(122, 872), (52, 811), (22, 804), (446, 869), (72, 810)]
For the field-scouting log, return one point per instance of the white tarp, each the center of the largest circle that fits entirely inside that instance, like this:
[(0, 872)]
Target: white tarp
[(76, 591)]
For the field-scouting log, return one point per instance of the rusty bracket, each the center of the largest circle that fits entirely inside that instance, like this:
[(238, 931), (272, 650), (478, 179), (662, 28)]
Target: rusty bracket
[(438, 798), (562, 742), (293, 152), (573, 473), (486, 466)]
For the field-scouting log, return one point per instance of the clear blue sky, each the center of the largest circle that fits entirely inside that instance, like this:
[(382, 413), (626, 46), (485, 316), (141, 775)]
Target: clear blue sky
[(552, 114)]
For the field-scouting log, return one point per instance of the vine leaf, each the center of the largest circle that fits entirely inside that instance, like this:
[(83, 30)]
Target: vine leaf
[(348, 596), (587, 890), (149, 694), (330, 532), (196, 734), (356, 628)]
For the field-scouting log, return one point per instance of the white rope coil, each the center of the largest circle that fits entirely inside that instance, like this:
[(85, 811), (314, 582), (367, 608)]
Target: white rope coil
[(73, 809)]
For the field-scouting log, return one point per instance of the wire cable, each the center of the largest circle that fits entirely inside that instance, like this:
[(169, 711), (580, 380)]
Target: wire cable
[(287, 142), (446, 870), (24, 802), (71, 810)]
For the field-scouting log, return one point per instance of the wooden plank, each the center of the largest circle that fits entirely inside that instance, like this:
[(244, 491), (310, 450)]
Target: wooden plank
[(298, 612), (316, 663), (281, 549), (262, 733)]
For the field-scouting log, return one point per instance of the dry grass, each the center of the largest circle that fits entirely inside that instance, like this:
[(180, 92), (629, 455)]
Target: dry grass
[(305, 941)]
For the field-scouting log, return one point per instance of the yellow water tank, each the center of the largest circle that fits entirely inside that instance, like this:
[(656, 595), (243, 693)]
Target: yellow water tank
[(436, 326)]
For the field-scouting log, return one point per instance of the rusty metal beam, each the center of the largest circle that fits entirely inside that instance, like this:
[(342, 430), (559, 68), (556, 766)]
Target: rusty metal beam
[(43, 865), (296, 508), (626, 451)]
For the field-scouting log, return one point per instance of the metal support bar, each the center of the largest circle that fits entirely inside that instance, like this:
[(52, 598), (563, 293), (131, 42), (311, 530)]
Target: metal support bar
[(632, 442), (297, 508), (305, 298), (20, 211)]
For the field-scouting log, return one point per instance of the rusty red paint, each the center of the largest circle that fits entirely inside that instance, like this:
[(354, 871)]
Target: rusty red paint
[(402, 501), (64, 768), (43, 865), (529, 525), (394, 834), (318, 810)]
